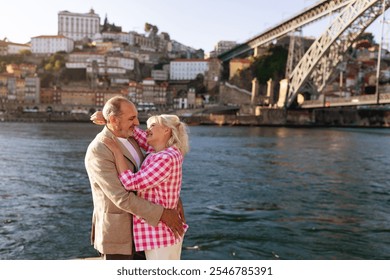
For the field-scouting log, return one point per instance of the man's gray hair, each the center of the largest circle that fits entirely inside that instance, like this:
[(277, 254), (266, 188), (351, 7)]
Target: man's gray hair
[(113, 107)]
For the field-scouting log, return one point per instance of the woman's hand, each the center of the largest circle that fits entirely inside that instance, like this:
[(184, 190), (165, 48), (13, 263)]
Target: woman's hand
[(97, 118), (112, 144)]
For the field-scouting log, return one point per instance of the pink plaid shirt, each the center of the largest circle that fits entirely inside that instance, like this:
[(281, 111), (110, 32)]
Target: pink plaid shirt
[(158, 181)]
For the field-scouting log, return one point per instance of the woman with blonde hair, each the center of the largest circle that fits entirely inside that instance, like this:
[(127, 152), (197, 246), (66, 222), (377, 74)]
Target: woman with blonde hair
[(158, 180)]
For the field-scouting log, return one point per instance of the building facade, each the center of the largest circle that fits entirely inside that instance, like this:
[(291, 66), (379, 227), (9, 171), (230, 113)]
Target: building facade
[(213, 75), (15, 48), (78, 26), (238, 64), (9, 48), (20, 90), (188, 69), (223, 46), (51, 44), (148, 95)]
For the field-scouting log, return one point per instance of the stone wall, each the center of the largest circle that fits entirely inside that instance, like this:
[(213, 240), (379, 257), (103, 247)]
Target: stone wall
[(230, 94), (352, 117), (330, 117)]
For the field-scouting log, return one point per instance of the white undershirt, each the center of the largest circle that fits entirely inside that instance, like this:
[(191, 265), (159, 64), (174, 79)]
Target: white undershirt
[(131, 149)]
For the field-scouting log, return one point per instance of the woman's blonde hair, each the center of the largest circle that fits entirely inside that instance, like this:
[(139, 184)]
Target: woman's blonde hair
[(179, 137)]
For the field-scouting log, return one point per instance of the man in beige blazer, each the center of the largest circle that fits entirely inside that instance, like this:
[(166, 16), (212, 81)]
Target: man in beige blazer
[(111, 232)]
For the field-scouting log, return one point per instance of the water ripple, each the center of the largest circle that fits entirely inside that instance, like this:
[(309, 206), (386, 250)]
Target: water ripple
[(248, 193)]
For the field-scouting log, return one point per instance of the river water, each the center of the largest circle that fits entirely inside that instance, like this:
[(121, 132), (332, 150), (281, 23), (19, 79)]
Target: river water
[(248, 192)]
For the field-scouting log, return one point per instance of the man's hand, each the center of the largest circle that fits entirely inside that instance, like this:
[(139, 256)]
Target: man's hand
[(172, 219), (180, 209)]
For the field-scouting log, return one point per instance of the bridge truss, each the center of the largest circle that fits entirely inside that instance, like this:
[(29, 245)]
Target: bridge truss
[(319, 63), (308, 16)]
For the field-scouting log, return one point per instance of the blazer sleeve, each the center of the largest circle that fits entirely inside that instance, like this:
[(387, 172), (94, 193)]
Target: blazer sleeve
[(100, 162)]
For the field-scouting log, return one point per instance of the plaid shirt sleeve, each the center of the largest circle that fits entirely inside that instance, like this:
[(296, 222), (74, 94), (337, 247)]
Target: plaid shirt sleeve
[(150, 175), (140, 136)]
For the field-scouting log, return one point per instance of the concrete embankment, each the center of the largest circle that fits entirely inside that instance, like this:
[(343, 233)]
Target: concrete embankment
[(43, 117), (331, 117)]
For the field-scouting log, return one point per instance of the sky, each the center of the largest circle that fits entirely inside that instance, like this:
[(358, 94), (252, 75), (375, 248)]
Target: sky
[(199, 24)]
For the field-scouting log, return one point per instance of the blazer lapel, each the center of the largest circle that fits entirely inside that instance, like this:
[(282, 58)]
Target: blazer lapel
[(124, 150)]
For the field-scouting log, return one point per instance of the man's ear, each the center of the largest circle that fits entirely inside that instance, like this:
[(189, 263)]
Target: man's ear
[(112, 120)]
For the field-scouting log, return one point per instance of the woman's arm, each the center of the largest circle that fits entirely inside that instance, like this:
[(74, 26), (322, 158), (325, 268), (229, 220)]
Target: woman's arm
[(150, 175), (140, 136), (147, 177)]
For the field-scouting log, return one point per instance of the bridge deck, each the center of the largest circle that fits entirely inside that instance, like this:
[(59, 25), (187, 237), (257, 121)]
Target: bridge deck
[(384, 98), (315, 12)]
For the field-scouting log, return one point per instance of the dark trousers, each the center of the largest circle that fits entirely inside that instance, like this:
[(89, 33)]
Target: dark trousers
[(135, 256)]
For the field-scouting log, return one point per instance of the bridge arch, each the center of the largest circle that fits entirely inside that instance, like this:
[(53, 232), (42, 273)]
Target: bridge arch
[(318, 64)]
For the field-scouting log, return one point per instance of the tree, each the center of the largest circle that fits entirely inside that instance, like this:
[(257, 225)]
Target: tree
[(198, 84), (3, 66), (366, 36), (54, 67), (151, 29), (48, 67), (25, 52), (272, 65)]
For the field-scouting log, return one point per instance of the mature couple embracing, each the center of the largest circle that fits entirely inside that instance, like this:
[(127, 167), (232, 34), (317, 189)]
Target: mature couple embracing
[(136, 178)]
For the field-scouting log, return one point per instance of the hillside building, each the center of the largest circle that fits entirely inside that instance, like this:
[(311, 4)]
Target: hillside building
[(77, 26)]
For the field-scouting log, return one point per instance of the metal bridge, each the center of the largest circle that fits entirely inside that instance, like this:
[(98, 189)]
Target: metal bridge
[(320, 62)]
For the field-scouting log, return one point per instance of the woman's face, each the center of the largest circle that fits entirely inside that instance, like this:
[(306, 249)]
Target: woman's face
[(157, 135)]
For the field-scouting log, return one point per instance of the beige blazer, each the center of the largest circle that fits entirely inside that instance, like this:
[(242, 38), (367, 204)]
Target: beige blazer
[(113, 206)]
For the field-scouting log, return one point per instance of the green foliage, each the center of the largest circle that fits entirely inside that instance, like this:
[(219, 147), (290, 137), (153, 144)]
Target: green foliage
[(55, 63), (25, 52), (58, 65), (151, 28), (3, 66), (9, 59), (48, 67), (46, 79), (53, 68), (272, 65), (198, 84), (366, 36)]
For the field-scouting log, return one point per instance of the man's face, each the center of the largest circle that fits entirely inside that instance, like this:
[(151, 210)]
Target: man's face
[(126, 122)]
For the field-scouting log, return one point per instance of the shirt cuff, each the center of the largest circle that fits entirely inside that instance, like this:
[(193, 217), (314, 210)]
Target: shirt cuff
[(126, 177)]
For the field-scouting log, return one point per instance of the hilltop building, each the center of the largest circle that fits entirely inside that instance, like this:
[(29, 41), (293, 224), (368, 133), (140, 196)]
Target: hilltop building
[(51, 44), (78, 26)]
